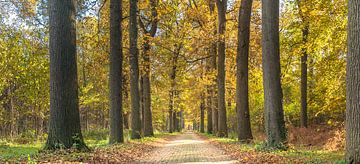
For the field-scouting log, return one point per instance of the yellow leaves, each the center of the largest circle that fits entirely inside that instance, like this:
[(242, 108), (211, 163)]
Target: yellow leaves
[(27, 7)]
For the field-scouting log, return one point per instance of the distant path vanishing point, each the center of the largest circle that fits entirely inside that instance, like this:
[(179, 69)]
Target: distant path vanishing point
[(187, 148)]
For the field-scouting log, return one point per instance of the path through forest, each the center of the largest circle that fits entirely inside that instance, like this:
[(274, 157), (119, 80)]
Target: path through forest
[(188, 148)]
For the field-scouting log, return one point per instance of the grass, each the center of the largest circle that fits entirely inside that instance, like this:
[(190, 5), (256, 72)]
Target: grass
[(10, 150), (311, 155), (16, 151)]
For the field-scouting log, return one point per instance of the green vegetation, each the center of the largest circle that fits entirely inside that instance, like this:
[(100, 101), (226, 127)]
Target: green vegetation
[(95, 139)]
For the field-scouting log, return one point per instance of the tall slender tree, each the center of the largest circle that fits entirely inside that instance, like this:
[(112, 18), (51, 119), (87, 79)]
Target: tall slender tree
[(304, 65), (209, 102), (274, 114), (202, 114), (134, 72), (213, 54), (115, 78), (222, 125), (64, 128), (242, 63), (353, 85)]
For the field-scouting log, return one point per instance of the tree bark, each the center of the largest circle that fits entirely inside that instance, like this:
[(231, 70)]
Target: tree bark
[(214, 96), (242, 80), (274, 114), (304, 67), (209, 109), (115, 79), (304, 58), (222, 125), (202, 115), (148, 127), (142, 105), (171, 110), (172, 91), (64, 128), (213, 54), (134, 72), (353, 85)]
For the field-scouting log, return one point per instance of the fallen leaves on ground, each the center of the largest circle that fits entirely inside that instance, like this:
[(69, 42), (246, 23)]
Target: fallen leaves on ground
[(120, 153)]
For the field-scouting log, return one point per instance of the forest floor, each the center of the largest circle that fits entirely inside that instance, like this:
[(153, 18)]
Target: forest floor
[(305, 146)]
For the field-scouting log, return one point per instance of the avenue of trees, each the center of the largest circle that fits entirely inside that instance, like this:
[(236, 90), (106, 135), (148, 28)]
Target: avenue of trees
[(143, 66)]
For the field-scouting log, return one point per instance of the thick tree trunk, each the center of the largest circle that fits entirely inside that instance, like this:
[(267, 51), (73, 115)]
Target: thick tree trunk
[(134, 72), (222, 125), (148, 127), (353, 85), (64, 128), (274, 114), (242, 80), (115, 79)]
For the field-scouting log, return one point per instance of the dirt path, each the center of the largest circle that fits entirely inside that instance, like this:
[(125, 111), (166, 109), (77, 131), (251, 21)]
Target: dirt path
[(187, 148)]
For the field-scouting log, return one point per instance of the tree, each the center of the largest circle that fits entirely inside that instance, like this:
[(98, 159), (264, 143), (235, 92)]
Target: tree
[(212, 62), (172, 92), (242, 63), (202, 113), (304, 66), (148, 128), (134, 72), (274, 114), (64, 128), (222, 126), (209, 101), (115, 78), (353, 84)]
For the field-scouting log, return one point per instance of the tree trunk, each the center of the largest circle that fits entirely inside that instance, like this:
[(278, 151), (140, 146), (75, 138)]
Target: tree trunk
[(171, 110), (274, 114), (222, 126), (172, 89), (214, 100), (242, 80), (115, 79), (148, 127), (304, 58), (353, 85), (126, 120), (64, 128), (212, 52), (142, 104), (202, 115), (126, 102), (209, 110), (304, 66), (134, 72)]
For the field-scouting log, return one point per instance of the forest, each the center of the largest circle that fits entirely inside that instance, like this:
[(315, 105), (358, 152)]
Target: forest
[(180, 81)]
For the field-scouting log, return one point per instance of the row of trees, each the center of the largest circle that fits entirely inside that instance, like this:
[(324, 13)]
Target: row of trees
[(187, 44)]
